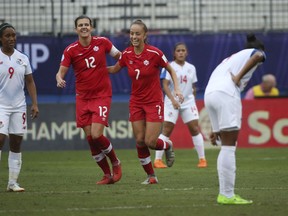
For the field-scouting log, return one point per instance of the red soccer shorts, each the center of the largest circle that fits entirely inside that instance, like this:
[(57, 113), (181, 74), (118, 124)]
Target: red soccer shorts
[(95, 110), (150, 112)]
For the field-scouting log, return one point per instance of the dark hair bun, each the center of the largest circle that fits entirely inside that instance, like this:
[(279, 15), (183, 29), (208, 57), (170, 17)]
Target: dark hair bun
[(253, 42), (251, 37)]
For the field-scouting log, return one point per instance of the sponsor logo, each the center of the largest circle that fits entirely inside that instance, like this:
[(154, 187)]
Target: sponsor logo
[(19, 61)]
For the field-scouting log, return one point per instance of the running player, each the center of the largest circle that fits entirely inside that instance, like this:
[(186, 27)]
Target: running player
[(223, 102), (93, 93), (186, 74), (146, 101), (15, 72)]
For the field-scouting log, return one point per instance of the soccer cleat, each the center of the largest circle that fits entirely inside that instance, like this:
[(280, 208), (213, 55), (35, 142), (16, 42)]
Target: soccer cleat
[(202, 163), (170, 155), (158, 163), (107, 179), (117, 172), (235, 200), (15, 188), (150, 180)]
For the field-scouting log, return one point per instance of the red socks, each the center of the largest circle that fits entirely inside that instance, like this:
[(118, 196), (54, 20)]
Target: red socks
[(161, 145), (99, 156), (107, 148), (144, 158)]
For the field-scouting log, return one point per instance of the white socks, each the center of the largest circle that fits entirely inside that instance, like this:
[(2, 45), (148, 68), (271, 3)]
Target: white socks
[(14, 163), (226, 166), (198, 142), (159, 153)]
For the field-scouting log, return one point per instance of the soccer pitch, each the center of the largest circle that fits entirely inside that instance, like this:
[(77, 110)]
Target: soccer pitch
[(63, 183)]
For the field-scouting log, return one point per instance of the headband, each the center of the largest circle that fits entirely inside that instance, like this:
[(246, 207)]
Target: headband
[(5, 25)]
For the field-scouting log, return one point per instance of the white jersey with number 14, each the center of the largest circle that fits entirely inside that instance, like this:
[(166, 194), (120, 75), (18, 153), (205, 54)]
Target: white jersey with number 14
[(186, 75)]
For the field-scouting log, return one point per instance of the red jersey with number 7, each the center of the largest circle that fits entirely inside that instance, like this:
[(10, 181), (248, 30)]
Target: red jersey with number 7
[(90, 69), (144, 71)]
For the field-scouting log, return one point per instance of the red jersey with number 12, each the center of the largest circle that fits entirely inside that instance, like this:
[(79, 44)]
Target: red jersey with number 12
[(144, 71), (89, 65)]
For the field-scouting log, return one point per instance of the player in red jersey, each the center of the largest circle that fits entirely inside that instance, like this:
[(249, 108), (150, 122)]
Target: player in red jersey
[(146, 102), (93, 92)]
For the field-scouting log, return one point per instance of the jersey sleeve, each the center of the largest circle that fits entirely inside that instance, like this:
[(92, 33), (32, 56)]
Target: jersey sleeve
[(195, 79), (159, 57), (29, 68), (163, 73), (263, 53), (163, 61), (108, 44), (166, 75), (122, 59)]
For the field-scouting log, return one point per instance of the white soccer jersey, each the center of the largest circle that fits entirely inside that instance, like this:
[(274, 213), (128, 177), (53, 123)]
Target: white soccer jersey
[(12, 71), (221, 80), (186, 76)]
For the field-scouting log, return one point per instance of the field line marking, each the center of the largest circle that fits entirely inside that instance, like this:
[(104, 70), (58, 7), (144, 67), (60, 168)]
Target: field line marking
[(102, 208), (165, 189)]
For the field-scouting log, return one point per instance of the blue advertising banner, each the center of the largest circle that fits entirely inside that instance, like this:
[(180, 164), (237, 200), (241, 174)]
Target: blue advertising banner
[(205, 52)]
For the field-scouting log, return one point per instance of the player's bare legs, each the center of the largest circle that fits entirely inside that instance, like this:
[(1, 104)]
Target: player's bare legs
[(139, 128), (168, 127), (153, 141), (152, 132), (2, 141), (101, 147)]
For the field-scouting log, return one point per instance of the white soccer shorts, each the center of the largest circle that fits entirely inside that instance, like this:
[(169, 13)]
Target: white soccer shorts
[(187, 114), (13, 123), (225, 111)]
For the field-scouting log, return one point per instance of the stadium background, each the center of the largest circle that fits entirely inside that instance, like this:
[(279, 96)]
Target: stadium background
[(211, 29)]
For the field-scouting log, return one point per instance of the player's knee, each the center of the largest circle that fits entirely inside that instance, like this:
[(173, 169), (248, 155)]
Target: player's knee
[(96, 135), (150, 143), (194, 130), (140, 141)]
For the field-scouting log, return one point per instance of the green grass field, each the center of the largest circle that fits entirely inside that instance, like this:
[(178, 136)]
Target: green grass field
[(63, 183)]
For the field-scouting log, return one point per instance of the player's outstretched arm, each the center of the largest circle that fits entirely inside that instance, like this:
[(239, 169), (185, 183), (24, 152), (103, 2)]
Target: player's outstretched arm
[(177, 90), (31, 87), (114, 69), (61, 83)]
